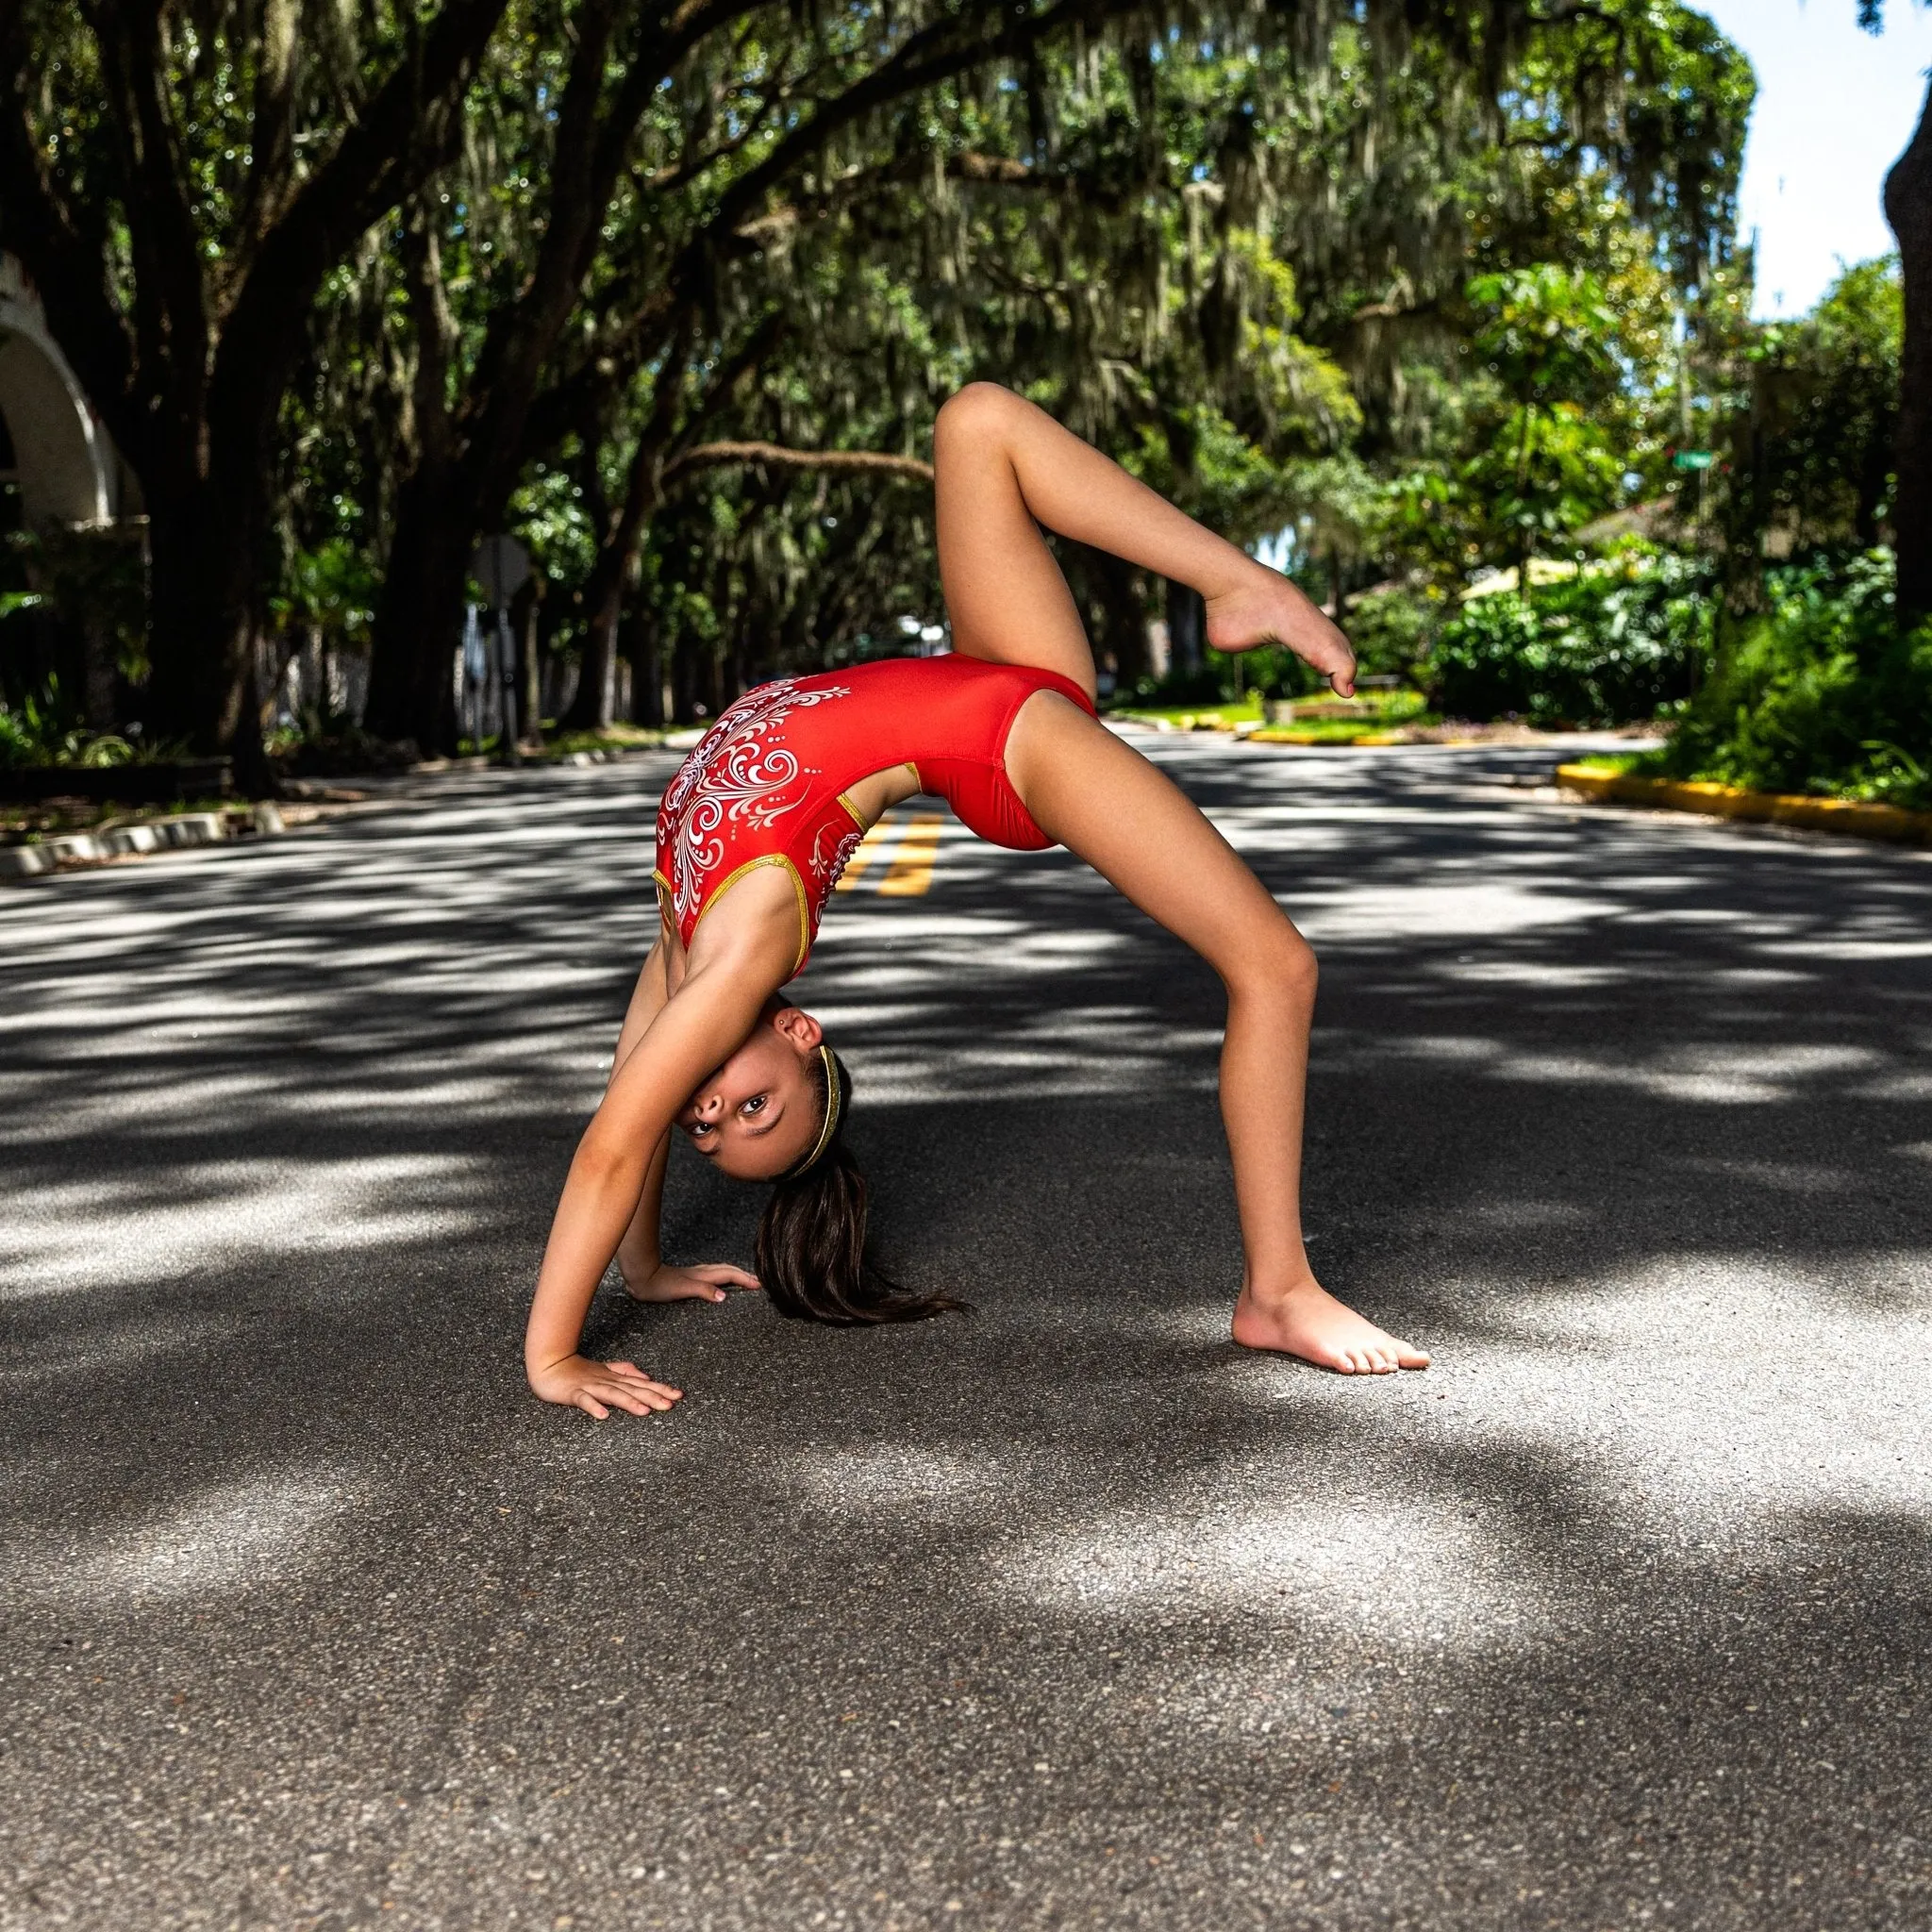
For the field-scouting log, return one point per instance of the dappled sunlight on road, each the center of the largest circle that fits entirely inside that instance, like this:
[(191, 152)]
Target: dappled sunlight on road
[(261, 1533), (1418, 1577), (1427, 913), (258, 1211)]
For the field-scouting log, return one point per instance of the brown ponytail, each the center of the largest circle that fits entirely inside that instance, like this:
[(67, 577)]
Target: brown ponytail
[(810, 1251)]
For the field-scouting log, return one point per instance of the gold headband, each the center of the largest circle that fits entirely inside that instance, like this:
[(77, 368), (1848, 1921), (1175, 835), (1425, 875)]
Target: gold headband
[(834, 1102)]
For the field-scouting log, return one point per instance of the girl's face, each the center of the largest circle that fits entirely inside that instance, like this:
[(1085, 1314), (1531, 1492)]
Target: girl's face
[(759, 1113)]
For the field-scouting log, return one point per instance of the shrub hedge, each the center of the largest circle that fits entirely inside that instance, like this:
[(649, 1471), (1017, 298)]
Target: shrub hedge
[(1618, 642), (1823, 695)]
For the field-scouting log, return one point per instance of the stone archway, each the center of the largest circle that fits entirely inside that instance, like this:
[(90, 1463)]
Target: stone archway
[(68, 471)]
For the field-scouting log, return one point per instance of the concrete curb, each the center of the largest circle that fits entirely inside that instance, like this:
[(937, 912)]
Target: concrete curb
[(174, 834), (1770, 807)]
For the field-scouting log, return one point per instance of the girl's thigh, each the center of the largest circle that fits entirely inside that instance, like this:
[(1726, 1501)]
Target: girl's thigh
[(1107, 804), (1004, 593)]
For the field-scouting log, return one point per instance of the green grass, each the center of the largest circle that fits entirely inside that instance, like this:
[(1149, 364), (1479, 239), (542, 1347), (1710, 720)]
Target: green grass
[(1379, 712), (561, 744), (1236, 711)]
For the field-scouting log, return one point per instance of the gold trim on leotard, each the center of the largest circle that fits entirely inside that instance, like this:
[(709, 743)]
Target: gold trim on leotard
[(866, 825), (731, 878)]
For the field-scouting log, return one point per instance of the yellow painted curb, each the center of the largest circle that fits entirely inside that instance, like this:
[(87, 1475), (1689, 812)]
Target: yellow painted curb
[(1774, 807)]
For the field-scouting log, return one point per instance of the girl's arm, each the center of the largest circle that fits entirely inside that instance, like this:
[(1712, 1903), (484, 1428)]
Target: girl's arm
[(645, 1276), (694, 1030)]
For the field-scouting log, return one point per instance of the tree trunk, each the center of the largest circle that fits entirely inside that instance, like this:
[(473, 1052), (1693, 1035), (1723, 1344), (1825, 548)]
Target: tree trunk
[(419, 616), (619, 533), (595, 705), (200, 632), (1908, 208), (100, 683), (642, 646), (523, 629), (1187, 626)]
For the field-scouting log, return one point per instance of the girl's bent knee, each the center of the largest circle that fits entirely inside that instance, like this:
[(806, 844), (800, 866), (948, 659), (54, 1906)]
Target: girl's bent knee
[(981, 411), (1285, 966)]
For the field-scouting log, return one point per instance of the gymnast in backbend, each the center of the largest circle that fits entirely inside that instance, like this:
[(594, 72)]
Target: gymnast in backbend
[(758, 823)]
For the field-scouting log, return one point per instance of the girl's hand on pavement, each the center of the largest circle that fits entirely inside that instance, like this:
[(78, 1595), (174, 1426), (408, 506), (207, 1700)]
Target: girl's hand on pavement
[(705, 1283), (597, 1388)]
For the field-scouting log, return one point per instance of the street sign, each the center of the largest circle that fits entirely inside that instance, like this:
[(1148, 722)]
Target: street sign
[(1693, 459), (502, 566)]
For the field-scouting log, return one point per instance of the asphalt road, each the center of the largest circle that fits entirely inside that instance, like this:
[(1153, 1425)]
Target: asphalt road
[(1065, 1614)]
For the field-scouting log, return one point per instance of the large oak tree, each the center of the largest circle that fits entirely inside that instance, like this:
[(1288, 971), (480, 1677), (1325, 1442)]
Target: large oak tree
[(178, 182)]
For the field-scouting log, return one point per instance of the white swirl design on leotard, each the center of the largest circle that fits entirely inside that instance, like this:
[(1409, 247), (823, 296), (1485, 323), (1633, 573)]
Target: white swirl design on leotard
[(736, 781), (826, 867)]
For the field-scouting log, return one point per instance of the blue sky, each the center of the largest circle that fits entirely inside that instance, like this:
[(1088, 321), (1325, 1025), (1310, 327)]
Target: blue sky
[(1835, 109)]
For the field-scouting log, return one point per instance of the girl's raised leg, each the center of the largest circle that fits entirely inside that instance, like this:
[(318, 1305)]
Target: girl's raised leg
[(1003, 468)]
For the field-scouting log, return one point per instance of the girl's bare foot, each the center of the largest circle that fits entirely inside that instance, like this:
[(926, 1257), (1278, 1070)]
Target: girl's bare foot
[(1309, 1321), (1266, 608)]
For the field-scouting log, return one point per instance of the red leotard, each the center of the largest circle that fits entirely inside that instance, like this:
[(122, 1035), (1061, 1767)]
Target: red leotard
[(767, 785)]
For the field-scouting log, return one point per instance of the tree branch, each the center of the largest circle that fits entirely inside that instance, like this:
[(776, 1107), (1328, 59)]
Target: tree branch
[(271, 138), (519, 336), (171, 314), (934, 54), (407, 130), (986, 170), (716, 456)]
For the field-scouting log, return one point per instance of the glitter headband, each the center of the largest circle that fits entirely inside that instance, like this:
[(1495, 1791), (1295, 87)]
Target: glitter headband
[(834, 1102)]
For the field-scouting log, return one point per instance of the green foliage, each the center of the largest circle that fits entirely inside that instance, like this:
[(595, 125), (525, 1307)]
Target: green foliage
[(95, 579), (1546, 463), (330, 589), (40, 730), (1393, 630), (1399, 279), (1606, 647), (1812, 440), (1823, 695)]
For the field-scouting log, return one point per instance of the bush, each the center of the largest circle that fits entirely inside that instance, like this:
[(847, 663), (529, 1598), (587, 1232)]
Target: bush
[(1390, 631), (1823, 696), (37, 732), (1611, 645), (1208, 683)]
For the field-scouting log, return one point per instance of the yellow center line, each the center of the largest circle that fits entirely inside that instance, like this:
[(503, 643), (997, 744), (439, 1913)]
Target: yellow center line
[(882, 835), (911, 871)]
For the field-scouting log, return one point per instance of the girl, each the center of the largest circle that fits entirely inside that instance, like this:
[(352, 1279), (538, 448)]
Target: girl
[(759, 821)]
